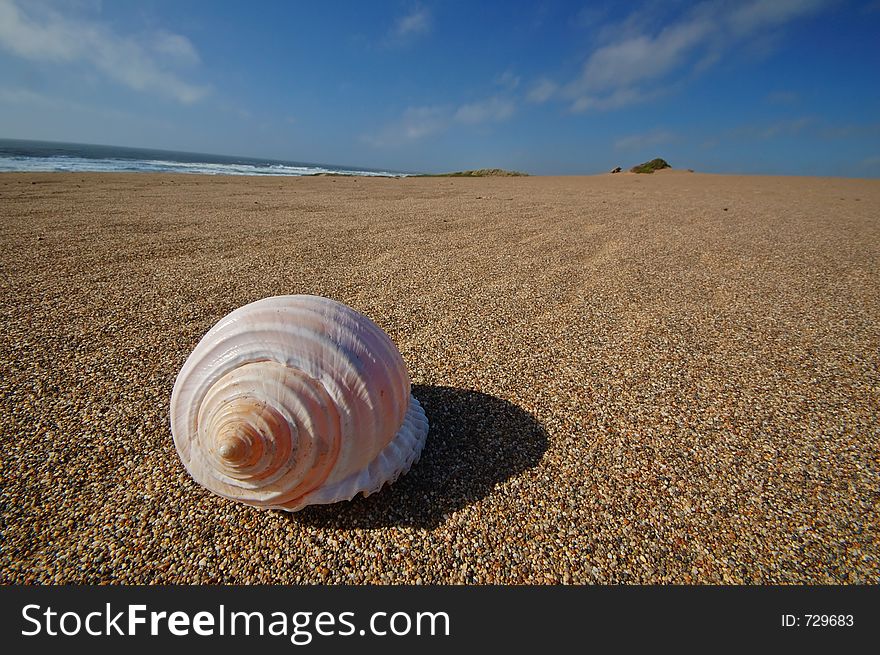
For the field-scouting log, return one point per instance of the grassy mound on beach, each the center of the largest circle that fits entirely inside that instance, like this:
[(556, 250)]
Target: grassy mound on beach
[(651, 166), (482, 172)]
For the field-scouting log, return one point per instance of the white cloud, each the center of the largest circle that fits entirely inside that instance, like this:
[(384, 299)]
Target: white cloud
[(418, 123), (415, 124), (508, 80), (177, 47), (50, 36), (491, 109), (542, 91), (635, 60), (422, 121), (414, 23), (749, 17), (641, 58)]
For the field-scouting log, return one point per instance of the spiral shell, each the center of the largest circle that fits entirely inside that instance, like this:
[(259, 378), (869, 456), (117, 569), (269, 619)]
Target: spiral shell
[(293, 401)]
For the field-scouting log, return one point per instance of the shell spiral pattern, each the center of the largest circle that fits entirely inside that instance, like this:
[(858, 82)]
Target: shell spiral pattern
[(293, 401)]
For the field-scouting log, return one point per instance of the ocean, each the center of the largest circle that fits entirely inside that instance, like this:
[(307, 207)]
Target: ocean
[(34, 156)]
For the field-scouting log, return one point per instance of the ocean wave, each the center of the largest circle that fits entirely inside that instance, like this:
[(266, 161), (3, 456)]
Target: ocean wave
[(89, 165)]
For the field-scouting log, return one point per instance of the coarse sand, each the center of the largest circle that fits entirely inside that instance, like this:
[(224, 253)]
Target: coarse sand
[(671, 378)]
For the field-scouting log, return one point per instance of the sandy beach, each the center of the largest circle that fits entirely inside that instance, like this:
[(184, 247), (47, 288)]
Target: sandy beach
[(668, 378)]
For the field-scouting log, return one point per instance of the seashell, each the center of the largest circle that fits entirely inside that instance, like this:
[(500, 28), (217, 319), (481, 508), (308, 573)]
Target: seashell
[(293, 401)]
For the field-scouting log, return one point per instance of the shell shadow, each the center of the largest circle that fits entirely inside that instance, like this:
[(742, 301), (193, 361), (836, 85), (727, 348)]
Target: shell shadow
[(475, 442)]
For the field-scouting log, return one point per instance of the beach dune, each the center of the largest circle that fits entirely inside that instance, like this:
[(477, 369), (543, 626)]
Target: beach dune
[(629, 378)]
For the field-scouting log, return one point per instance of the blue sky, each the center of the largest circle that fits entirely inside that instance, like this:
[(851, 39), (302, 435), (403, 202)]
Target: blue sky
[(753, 86)]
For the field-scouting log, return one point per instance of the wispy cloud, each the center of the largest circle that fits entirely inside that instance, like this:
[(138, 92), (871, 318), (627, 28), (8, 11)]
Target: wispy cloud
[(491, 109), (851, 131), (143, 63), (646, 140), (21, 96), (411, 25), (100, 114), (809, 127), (418, 123), (784, 127), (782, 98), (542, 91), (508, 80), (177, 47), (747, 18), (415, 124), (614, 100), (640, 58), (636, 60)]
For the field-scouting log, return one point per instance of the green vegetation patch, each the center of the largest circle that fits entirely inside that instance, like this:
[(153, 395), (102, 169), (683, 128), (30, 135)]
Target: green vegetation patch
[(482, 172), (650, 166)]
